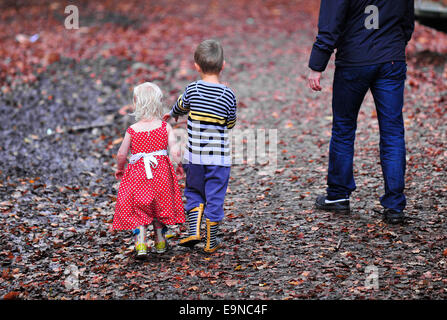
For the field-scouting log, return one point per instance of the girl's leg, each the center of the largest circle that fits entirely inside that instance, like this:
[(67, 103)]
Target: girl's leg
[(140, 241), (161, 245)]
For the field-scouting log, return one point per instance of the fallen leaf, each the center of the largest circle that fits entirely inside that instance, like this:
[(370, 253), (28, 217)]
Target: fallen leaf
[(13, 295), (231, 283)]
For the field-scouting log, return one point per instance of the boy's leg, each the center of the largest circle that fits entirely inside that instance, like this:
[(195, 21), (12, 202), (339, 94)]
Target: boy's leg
[(195, 201), (212, 243), (194, 185), (216, 184), (388, 93)]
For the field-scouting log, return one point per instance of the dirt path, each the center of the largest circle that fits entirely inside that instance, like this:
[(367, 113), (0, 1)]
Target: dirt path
[(57, 192)]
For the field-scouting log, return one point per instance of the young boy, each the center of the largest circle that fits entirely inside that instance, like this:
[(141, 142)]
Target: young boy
[(211, 109)]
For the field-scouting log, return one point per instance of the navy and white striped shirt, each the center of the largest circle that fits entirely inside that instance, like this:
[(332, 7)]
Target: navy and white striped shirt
[(211, 110)]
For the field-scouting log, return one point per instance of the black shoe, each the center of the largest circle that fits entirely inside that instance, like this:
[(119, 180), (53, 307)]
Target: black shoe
[(341, 205), (393, 217)]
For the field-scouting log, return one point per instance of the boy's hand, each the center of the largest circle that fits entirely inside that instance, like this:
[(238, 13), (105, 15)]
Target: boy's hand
[(119, 174), (167, 116), (313, 80)]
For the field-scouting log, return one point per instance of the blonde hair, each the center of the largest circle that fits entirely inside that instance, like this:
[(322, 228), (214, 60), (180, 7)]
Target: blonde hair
[(147, 100)]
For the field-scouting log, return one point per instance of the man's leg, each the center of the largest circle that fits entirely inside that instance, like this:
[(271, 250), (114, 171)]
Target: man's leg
[(349, 89), (388, 93)]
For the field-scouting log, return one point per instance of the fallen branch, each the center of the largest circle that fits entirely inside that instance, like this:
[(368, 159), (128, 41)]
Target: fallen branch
[(338, 245), (87, 127)]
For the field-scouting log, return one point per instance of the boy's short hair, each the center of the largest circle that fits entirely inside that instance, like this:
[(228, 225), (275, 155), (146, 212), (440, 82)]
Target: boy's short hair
[(209, 56)]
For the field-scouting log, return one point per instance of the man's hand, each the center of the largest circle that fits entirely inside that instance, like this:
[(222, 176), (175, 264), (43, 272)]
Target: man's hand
[(167, 116), (313, 80)]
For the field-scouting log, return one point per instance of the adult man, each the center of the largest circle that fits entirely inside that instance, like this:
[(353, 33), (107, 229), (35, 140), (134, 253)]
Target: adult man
[(370, 38)]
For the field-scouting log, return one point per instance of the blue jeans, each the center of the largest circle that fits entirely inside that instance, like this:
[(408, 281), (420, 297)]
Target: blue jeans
[(386, 82), (206, 184)]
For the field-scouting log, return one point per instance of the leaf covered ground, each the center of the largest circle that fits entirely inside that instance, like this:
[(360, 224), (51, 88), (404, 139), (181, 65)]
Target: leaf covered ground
[(61, 126)]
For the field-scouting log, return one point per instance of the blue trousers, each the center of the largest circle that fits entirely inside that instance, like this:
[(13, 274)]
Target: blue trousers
[(386, 82), (206, 184)]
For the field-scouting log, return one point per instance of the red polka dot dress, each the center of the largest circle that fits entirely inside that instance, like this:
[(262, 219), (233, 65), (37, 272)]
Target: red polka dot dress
[(140, 199)]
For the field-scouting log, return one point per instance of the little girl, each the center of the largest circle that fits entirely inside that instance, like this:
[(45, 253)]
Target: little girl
[(148, 192)]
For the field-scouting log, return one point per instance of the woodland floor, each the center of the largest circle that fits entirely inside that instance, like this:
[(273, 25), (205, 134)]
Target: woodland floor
[(60, 127)]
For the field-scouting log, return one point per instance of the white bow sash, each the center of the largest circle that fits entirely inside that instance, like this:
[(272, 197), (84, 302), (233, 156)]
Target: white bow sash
[(149, 160)]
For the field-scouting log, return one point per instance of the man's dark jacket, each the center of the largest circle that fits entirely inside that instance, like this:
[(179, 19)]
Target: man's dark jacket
[(341, 26)]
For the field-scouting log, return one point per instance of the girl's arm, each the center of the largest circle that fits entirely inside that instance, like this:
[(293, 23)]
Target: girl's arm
[(121, 156), (174, 146)]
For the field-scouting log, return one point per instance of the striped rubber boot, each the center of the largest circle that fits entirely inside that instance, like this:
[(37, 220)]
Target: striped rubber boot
[(140, 242), (212, 242), (194, 220)]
